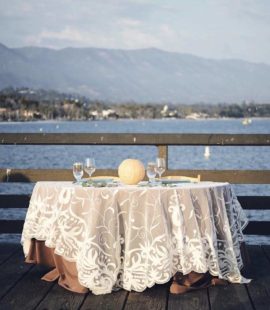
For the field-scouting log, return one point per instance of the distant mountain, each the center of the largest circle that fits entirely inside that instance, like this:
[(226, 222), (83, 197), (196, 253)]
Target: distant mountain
[(145, 75)]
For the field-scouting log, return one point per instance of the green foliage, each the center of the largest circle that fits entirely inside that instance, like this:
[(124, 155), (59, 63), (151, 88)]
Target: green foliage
[(25, 104)]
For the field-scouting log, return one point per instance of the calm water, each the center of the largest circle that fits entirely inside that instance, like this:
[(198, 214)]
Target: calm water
[(185, 157), (20, 156)]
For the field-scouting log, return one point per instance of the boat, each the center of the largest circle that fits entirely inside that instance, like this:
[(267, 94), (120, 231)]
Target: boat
[(207, 152), (246, 121)]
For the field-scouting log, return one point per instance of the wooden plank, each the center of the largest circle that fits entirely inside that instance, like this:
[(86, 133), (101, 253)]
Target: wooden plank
[(60, 298), (11, 226), (254, 202), (257, 228), (231, 176), (134, 139), (153, 298), (163, 153), (266, 249), (35, 175), (233, 296), (253, 228), (28, 292), (197, 300), (247, 202), (12, 270), (259, 288), (14, 201), (113, 301), (7, 250)]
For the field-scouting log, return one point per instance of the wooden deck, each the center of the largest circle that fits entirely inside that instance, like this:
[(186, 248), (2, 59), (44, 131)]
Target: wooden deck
[(21, 288)]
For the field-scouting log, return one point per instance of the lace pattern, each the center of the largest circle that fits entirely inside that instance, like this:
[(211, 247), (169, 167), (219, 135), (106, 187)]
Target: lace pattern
[(134, 237)]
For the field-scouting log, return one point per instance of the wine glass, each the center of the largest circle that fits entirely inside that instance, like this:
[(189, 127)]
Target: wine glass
[(78, 171), (89, 166), (160, 166), (151, 172)]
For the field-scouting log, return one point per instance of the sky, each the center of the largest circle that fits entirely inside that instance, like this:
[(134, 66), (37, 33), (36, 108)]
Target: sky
[(209, 28)]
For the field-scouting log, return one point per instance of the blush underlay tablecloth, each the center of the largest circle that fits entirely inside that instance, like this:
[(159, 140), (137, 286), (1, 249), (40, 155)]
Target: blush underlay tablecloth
[(133, 237)]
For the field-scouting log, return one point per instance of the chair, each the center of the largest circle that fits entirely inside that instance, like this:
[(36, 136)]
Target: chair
[(105, 177), (183, 178)]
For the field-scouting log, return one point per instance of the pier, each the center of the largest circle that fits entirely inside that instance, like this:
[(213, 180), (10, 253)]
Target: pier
[(20, 284), (21, 288)]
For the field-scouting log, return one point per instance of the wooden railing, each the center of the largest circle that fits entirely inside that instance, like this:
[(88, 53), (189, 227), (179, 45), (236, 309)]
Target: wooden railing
[(161, 141)]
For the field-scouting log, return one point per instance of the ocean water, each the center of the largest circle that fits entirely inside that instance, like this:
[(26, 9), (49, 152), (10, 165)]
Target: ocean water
[(184, 157)]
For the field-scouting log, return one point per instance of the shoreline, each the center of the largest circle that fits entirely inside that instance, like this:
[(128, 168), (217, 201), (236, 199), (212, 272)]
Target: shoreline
[(132, 119)]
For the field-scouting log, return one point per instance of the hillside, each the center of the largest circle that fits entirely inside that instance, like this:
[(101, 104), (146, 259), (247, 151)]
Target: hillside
[(146, 75)]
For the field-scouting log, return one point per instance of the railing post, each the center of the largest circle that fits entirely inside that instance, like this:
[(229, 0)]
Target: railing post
[(163, 153)]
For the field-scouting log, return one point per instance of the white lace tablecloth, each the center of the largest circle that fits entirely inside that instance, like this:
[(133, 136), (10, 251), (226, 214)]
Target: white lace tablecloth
[(133, 237)]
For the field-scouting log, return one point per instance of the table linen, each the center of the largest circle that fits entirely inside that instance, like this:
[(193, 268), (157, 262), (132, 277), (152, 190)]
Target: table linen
[(133, 237)]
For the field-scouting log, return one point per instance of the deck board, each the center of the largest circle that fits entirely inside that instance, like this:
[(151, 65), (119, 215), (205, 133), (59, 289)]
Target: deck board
[(259, 288), (154, 298), (6, 250), (233, 296), (60, 298), (11, 271), (113, 301), (197, 300), (266, 250), (30, 286), (21, 288)]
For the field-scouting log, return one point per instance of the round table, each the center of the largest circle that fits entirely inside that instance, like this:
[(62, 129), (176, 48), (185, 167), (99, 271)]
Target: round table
[(135, 236)]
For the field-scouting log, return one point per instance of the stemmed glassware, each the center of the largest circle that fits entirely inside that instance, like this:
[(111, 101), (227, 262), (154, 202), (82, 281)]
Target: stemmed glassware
[(151, 172), (78, 171), (160, 167), (89, 166)]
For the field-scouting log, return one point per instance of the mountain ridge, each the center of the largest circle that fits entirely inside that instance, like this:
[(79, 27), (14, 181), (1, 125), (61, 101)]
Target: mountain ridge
[(141, 75)]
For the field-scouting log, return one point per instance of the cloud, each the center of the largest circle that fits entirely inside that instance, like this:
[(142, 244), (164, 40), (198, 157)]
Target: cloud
[(131, 34), (167, 31), (129, 22), (26, 8), (253, 10), (210, 28), (135, 38), (67, 33), (71, 36)]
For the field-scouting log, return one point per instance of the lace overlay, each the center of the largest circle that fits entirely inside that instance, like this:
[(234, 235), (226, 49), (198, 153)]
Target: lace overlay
[(133, 237)]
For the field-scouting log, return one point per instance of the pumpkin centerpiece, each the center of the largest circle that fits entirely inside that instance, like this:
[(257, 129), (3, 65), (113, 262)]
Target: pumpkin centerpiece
[(131, 171)]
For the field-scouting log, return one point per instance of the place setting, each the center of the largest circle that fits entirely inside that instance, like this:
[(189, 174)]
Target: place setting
[(130, 172), (154, 172), (89, 167)]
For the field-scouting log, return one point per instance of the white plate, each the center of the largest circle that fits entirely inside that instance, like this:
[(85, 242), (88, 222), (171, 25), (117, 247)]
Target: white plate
[(98, 180), (105, 180), (172, 181)]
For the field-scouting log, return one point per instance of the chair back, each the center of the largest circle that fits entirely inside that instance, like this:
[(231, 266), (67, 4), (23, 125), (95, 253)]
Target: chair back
[(183, 178), (105, 177)]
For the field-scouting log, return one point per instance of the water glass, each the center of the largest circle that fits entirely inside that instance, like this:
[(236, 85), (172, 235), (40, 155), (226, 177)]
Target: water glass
[(89, 166), (151, 172), (78, 171), (160, 166)]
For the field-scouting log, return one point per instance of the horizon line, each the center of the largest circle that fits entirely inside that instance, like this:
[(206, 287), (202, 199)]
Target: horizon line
[(135, 49)]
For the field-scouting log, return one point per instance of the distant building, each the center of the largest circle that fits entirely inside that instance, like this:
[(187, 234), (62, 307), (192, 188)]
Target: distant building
[(167, 112), (196, 116), (110, 113)]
